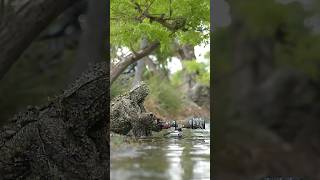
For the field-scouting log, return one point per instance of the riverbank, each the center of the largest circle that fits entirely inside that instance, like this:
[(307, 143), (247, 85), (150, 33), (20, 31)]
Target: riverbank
[(188, 109)]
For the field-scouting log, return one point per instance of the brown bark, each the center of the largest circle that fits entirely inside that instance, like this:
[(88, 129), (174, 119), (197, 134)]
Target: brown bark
[(133, 57), (172, 24), (22, 23)]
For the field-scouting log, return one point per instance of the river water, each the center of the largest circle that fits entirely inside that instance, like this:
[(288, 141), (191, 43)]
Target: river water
[(165, 158)]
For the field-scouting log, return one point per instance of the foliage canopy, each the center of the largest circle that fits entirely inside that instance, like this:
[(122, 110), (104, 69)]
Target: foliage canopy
[(166, 21)]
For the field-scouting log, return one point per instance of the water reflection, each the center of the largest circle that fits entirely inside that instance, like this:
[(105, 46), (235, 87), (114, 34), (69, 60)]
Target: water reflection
[(173, 154), (165, 158)]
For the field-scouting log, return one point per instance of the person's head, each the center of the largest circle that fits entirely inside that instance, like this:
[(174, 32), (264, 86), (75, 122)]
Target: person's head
[(139, 92), (157, 123)]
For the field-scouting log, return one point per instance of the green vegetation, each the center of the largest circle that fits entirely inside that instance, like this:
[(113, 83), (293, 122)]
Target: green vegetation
[(172, 23), (175, 27), (281, 25), (120, 86), (200, 69), (165, 94), (158, 20)]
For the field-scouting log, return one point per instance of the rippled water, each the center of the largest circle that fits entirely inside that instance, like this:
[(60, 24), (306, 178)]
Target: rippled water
[(165, 158)]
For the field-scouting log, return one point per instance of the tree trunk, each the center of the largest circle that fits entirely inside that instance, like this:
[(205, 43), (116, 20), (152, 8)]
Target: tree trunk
[(139, 72), (22, 23), (93, 41), (186, 53), (140, 65)]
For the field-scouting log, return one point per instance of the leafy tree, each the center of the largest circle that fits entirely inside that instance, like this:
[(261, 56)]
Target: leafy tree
[(159, 20), (200, 69), (166, 22), (165, 95)]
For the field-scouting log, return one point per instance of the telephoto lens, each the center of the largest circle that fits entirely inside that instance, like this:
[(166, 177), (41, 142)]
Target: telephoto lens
[(194, 123)]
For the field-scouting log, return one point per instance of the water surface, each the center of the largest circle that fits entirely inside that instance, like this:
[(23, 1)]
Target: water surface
[(164, 158)]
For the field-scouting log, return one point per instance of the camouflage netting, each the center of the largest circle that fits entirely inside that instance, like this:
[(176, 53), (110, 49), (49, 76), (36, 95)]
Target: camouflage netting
[(128, 115)]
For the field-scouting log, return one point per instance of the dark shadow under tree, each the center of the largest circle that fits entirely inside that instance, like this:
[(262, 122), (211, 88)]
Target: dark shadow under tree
[(68, 137)]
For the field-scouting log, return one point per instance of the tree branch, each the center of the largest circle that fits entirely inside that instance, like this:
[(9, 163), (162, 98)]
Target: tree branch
[(22, 24), (173, 24), (131, 58)]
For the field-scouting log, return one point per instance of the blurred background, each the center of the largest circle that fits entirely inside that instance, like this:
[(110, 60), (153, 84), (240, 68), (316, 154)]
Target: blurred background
[(266, 88), (48, 52)]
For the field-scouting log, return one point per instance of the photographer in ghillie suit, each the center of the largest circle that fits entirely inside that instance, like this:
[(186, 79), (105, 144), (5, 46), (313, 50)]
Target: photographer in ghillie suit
[(128, 115)]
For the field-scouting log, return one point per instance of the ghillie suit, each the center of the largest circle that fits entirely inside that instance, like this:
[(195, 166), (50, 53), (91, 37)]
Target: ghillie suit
[(128, 115), (65, 139)]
